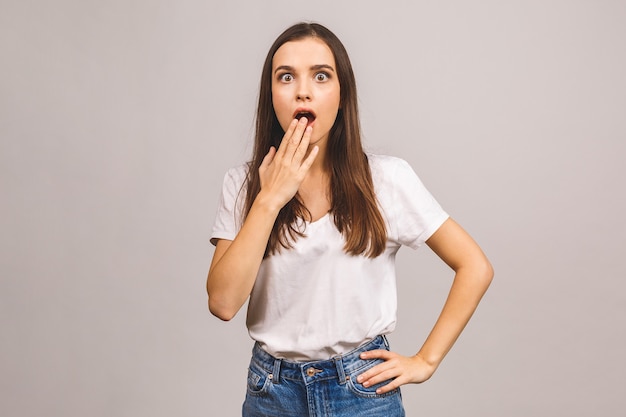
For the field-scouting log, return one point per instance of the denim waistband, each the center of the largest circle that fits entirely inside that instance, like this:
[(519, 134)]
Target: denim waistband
[(340, 366)]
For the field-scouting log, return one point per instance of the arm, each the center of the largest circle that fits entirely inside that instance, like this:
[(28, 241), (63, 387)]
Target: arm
[(235, 263), (473, 274)]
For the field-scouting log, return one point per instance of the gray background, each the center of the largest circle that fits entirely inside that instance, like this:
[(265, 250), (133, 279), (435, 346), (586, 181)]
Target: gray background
[(118, 120)]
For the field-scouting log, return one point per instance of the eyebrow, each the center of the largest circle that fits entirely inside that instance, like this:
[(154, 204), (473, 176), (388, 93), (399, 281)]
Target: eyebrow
[(313, 67)]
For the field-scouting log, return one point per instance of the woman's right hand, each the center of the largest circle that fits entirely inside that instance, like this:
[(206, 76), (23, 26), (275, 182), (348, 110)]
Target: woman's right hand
[(236, 263), (282, 171)]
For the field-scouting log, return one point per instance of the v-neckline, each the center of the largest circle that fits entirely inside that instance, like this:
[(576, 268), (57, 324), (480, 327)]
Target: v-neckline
[(327, 214)]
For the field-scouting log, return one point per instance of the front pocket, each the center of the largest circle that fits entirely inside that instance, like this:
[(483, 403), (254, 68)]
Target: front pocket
[(369, 392), (258, 381)]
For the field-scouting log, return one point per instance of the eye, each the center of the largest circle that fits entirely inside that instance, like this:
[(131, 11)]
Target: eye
[(321, 76), (286, 77)]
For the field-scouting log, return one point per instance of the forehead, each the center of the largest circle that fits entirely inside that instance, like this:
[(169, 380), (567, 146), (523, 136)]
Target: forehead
[(303, 53)]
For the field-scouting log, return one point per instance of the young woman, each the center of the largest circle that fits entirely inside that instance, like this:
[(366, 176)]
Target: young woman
[(308, 230)]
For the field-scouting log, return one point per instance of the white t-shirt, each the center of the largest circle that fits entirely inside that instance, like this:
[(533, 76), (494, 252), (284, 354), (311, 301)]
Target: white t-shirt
[(315, 301)]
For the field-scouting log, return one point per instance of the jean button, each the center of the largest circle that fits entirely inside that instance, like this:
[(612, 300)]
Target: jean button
[(310, 372)]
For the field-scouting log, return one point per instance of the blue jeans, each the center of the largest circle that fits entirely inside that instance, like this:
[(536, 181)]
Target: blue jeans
[(280, 388)]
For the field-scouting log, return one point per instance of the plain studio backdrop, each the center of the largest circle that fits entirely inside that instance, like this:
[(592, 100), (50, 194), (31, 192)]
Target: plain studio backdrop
[(118, 120)]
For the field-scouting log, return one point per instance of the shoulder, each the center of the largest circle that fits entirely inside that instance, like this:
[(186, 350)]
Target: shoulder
[(237, 175), (393, 176), (238, 171), (383, 160), (386, 167), (234, 184)]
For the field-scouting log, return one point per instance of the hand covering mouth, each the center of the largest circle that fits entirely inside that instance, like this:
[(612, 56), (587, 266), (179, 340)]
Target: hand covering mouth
[(310, 116)]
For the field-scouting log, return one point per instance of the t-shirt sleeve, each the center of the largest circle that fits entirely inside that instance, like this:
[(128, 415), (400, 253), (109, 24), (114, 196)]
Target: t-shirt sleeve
[(229, 212), (418, 214)]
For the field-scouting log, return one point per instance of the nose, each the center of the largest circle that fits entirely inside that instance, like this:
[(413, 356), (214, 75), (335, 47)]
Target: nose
[(303, 92)]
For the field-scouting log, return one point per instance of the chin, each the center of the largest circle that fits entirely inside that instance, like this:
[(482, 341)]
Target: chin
[(318, 141)]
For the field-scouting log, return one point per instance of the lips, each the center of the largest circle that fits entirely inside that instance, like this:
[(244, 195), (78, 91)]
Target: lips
[(308, 113)]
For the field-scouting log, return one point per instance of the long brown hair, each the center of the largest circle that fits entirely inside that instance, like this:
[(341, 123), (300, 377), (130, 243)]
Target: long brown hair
[(353, 202)]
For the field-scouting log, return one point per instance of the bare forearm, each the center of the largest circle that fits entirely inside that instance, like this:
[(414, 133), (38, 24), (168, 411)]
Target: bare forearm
[(473, 274), (466, 292), (235, 264), (232, 276)]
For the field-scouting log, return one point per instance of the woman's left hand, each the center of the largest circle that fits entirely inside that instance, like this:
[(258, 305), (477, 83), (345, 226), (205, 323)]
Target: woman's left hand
[(473, 274), (400, 369)]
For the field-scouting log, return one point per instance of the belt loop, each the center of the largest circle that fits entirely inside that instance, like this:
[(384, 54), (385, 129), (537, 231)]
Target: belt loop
[(341, 375), (276, 371), (386, 341)]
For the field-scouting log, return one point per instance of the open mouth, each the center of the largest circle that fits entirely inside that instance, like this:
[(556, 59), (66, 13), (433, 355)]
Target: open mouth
[(310, 116)]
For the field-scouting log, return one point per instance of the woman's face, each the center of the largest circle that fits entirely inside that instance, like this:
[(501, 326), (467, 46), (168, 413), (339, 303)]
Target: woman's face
[(305, 83)]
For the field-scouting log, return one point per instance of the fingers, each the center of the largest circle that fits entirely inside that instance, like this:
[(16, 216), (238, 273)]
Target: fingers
[(306, 164), (269, 157), (302, 146), (377, 354), (396, 369), (380, 372), (296, 139), (287, 137), (283, 170)]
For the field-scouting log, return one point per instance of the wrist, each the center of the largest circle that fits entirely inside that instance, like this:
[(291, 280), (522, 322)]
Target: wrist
[(429, 359), (264, 203)]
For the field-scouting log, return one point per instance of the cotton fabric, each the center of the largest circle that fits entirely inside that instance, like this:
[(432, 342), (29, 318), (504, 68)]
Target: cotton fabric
[(315, 301)]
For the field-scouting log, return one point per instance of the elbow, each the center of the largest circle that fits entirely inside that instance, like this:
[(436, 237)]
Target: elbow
[(219, 305), (479, 274), (486, 273), (222, 315), (221, 311)]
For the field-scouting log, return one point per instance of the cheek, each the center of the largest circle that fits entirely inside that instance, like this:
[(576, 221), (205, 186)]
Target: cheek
[(333, 105), (280, 105), (332, 97)]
